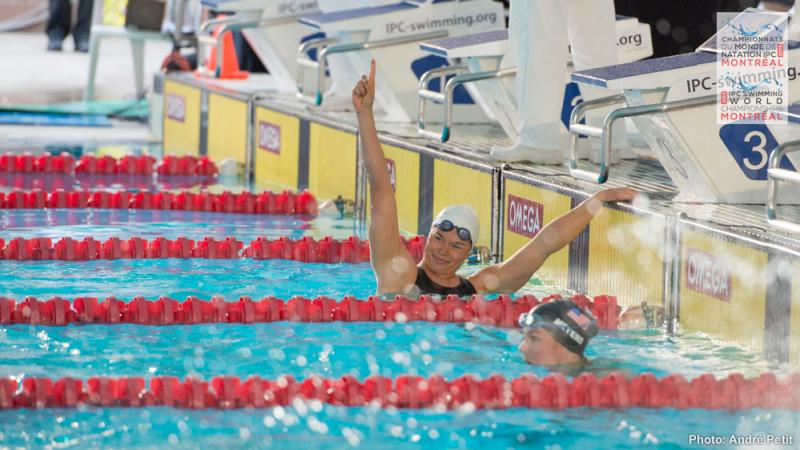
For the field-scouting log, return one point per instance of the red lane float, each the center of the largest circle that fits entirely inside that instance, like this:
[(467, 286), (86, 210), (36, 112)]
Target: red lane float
[(186, 165), (243, 203), (305, 249), (501, 312), (612, 391), (27, 163), (107, 165)]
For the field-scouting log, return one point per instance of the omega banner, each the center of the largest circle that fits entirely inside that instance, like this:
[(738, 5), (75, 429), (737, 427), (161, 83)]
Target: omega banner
[(707, 274), (523, 216)]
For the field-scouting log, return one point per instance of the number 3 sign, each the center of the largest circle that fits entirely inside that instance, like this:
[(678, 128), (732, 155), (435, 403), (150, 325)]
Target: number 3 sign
[(750, 145)]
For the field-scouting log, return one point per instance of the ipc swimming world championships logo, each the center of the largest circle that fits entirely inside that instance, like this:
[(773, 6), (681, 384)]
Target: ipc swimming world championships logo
[(751, 67), (741, 29)]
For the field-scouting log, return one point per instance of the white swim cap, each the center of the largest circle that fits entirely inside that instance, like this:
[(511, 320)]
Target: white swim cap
[(462, 216)]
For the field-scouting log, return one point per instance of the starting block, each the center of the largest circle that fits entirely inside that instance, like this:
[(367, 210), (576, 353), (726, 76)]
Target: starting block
[(672, 101), (487, 69), (391, 35), (778, 172), (268, 26)]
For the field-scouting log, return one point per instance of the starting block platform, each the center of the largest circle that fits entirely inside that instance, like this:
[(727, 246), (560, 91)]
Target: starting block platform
[(716, 268)]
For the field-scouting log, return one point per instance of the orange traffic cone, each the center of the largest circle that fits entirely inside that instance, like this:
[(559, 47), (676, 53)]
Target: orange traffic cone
[(230, 62)]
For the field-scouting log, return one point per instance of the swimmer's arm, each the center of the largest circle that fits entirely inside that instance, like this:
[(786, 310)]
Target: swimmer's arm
[(516, 271), (384, 231)]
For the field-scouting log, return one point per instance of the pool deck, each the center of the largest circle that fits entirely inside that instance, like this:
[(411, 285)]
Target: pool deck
[(34, 76)]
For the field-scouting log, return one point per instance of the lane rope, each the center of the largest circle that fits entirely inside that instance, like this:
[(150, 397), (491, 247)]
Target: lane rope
[(71, 182), (267, 202), (612, 391), (305, 249), (65, 163), (503, 311)]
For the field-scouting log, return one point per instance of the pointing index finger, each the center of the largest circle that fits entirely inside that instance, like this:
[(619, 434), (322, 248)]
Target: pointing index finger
[(372, 73)]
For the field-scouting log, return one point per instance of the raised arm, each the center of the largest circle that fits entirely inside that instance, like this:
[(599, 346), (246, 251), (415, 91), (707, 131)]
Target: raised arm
[(393, 265), (516, 271)]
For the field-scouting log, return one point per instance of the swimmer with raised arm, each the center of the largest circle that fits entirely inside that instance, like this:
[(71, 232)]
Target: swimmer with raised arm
[(453, 232)]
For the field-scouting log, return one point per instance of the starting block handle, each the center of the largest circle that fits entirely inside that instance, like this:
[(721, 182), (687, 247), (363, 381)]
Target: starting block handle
[(322, 55), (425, 94), (234, 25), (304, 62), (204, 38), (446, 97), (776, 174), (580, 110)]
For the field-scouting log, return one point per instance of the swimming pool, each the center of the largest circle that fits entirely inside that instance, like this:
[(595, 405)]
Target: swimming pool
[(303, 349)]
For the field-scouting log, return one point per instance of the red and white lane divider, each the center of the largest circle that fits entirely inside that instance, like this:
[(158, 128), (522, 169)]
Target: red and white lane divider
[(52, 183), (107, 165), (305, 249), (286, 202), (501, 312), (612, 391)]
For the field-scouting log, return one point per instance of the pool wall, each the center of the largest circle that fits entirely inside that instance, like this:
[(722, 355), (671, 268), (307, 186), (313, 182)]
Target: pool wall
[(733, 285)]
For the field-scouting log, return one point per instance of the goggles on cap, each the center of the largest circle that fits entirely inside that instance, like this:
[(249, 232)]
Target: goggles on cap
[(562, 332), (531, 320), (446, 225)]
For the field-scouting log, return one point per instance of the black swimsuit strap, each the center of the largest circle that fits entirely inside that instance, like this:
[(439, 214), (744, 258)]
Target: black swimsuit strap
[(428, 286)]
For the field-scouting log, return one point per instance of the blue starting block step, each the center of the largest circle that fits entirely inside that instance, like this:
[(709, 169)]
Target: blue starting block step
[(793, 113), (601, 76), (605, 76), (448, 47), (233, 5), (321, 19)]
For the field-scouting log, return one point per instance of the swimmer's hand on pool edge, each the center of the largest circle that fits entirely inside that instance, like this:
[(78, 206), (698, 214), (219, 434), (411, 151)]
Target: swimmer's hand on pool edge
[(364, 92), (616, 194)]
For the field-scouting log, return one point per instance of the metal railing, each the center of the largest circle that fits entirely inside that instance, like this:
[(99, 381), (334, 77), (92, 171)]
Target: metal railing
[(205, 38), (325, 49), (445, 95), (304, 61), (231, 23), (776, 174), (605, 133)]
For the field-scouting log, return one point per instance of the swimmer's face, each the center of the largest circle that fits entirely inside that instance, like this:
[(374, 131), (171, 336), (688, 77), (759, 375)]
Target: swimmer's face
[(541, 349), (445, 251)]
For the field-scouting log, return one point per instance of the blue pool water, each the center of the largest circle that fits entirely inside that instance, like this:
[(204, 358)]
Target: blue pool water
[(332, 350), (149, 224)]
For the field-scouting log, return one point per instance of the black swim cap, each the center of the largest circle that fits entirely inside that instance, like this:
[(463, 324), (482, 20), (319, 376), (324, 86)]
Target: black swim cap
[(568, 323)]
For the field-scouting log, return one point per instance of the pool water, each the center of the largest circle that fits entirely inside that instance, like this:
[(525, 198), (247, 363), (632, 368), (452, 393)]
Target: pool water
[(149, 224), (298, 349), (317, 426)]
